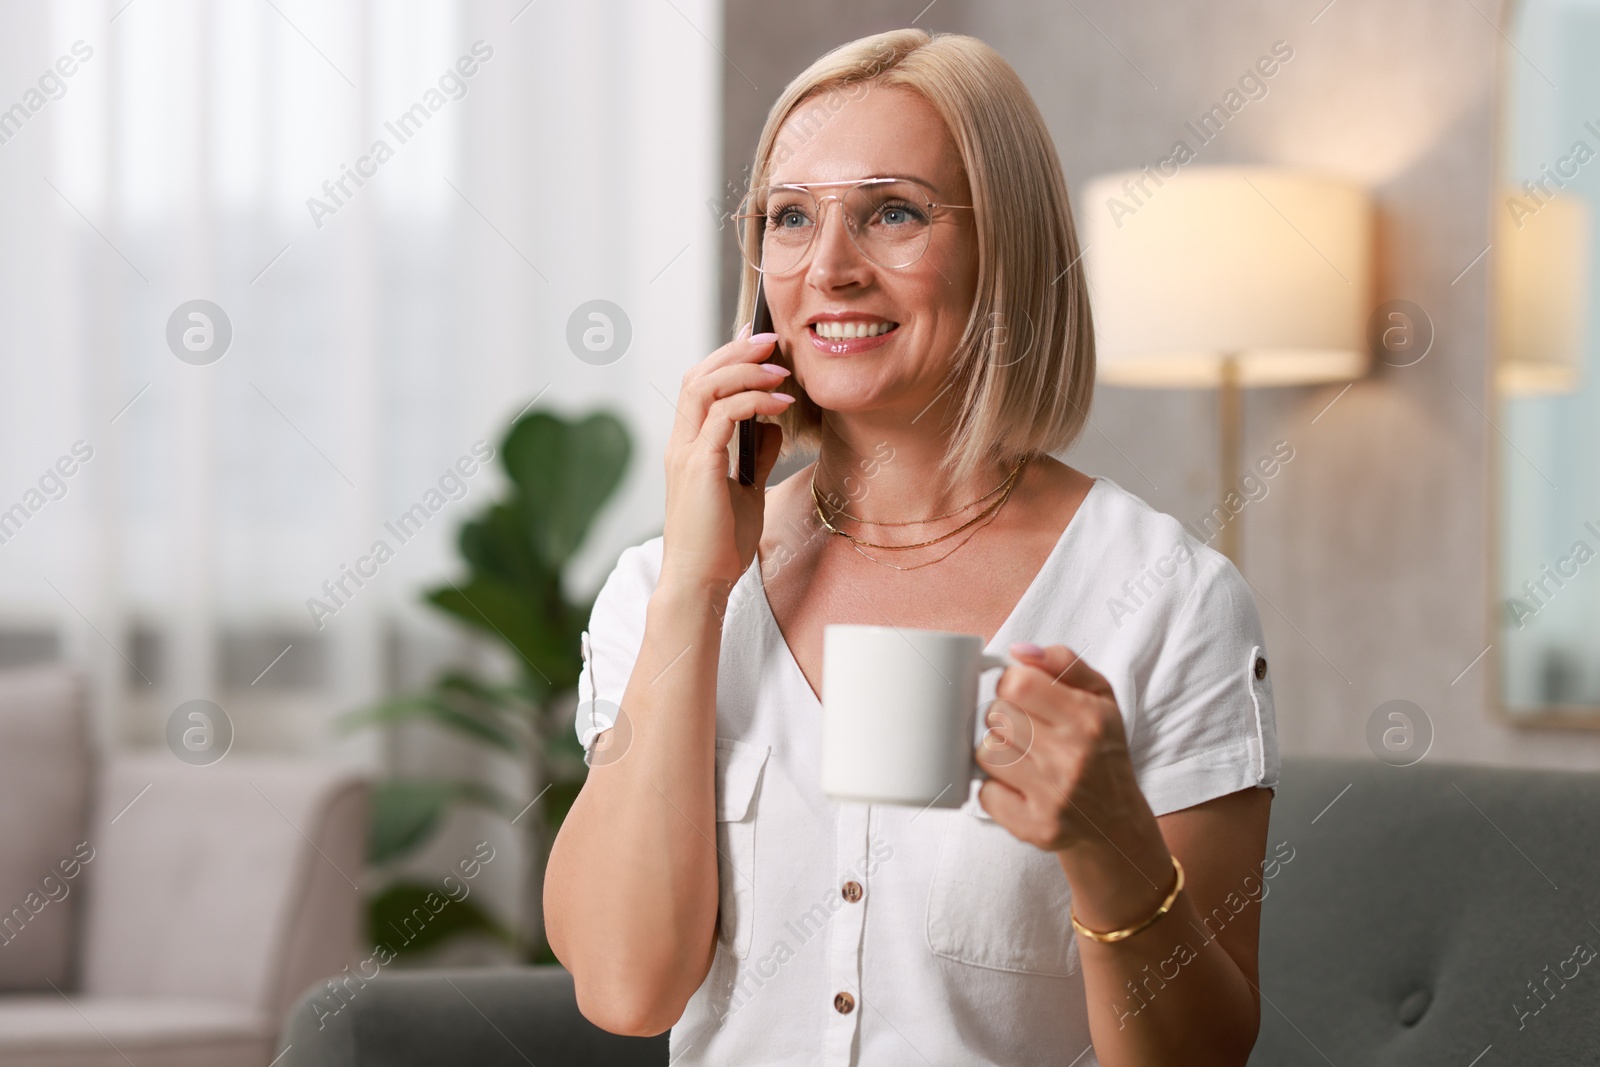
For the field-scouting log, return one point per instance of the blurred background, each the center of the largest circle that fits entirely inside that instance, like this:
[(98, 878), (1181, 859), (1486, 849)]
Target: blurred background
[(519, 162), (283, 281)]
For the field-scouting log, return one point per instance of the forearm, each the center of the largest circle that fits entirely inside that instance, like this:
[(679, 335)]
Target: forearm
[(631, 886), (1169, 994)]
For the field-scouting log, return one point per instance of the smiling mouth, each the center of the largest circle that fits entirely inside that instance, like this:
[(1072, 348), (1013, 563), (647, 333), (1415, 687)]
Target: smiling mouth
[(844, 331)]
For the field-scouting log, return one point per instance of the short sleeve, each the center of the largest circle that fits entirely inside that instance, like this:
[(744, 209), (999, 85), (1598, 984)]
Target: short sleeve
[(1207, 726), (611, 644)]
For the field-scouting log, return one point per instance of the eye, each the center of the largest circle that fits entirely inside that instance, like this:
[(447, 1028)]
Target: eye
[(898, 213), (786, 218)]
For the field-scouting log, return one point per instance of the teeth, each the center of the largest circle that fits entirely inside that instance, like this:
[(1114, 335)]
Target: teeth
[(839, 331)]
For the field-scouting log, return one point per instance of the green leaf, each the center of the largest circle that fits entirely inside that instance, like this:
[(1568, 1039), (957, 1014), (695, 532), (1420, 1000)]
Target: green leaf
[(412, 917), (513, 696), (543, 639), (406, 812), (435, 707), (516, 704), (499, 543), (561, 473), (565, 471)]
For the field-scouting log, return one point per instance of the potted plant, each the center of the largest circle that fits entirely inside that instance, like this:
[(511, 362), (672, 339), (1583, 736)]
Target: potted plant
[(515, 551)]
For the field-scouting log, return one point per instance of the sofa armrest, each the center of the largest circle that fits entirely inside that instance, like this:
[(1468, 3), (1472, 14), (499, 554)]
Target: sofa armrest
[(236, 881), (489, 1018), (44, 790)]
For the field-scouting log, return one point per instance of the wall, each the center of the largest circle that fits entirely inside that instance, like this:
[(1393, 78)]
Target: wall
[(1369, 556)]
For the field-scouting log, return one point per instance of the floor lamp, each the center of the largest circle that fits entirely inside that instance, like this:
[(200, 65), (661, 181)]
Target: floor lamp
[(1228, 278)]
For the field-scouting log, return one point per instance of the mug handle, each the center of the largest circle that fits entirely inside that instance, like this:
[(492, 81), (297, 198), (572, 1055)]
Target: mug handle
[(988, 663)]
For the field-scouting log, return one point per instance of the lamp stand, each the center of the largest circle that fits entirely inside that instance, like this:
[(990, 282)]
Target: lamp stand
[(1228, 405)]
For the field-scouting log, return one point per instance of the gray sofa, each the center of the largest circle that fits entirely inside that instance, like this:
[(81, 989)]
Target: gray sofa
[(1408, 919), (158, 913)]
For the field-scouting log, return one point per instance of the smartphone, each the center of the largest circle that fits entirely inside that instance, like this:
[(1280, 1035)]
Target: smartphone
[(761, 322)]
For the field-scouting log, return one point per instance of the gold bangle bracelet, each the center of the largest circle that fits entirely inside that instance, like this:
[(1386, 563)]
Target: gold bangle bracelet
[(1118, 935)]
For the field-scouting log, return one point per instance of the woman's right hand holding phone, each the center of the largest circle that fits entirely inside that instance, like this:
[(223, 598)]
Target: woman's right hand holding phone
[(646, 815), (713, 524)]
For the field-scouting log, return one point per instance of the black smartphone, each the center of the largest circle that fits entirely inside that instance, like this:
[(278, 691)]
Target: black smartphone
[(761, 322)]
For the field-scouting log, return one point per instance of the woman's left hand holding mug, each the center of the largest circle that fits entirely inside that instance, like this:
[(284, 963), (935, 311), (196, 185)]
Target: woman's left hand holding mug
[(1057, 756)]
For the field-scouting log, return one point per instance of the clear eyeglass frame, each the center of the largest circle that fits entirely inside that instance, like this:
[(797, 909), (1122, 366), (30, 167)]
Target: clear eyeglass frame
[(751, 239)]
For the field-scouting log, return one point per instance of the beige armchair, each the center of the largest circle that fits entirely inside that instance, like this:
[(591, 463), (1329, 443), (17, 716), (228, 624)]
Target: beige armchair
[(158, 913)]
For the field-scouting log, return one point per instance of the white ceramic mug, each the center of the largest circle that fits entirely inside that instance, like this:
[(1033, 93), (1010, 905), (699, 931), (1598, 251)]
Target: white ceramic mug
[(900, 714)]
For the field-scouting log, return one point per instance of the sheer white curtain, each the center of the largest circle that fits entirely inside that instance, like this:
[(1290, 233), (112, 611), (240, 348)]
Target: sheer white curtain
[(389, 307)]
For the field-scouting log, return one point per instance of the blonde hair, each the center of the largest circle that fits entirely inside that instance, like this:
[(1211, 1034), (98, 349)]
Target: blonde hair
[(1030, 289)]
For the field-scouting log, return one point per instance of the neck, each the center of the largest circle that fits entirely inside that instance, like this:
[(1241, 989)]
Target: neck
[(887, 474)]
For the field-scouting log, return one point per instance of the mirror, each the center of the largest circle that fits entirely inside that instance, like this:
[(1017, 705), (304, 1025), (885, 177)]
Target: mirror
[(1545, 630)]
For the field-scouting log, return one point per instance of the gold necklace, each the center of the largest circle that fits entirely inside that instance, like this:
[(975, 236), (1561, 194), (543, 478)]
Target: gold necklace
[(927, 563), (987, 513), (842, 513)]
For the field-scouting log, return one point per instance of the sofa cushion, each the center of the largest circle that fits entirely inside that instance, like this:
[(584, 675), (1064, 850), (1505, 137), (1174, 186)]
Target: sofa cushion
[(234, 881), (1428, 913), (488, 1018), (44, 789), (53, 1031)]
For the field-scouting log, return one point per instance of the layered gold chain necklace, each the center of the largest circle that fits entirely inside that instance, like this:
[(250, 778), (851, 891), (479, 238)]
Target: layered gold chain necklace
[(976, 523)]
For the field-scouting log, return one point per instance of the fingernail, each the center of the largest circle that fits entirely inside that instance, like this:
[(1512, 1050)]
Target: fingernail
[(1027, 649), (773, 368), (763, 338), (785, 397), (744, 330)]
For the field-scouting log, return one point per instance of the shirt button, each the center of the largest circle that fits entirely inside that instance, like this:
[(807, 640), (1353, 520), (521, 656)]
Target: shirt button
[(1261, 667), (844, 1003), (852, 891)]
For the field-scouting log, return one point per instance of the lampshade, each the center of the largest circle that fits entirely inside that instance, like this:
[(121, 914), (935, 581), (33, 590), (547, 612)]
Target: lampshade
[(1541, 289), (1269, 267)]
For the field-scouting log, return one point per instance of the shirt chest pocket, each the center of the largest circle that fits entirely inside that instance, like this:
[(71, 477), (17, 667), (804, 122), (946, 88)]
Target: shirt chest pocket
[(739, 766), (999, 903)]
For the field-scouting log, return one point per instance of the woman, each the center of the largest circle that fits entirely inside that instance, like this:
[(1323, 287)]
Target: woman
[(933, 342)]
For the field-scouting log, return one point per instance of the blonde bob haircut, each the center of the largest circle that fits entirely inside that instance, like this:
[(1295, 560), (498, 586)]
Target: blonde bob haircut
[(1024, 366)]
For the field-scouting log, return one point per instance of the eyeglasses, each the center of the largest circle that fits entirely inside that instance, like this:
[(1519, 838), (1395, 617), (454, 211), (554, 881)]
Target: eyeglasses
[(890, 221)]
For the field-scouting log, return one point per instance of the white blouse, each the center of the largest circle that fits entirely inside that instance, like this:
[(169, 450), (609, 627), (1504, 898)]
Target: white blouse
[(876, 934)]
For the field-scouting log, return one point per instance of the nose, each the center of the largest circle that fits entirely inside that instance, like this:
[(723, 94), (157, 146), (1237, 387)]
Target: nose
[(835, 259)]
